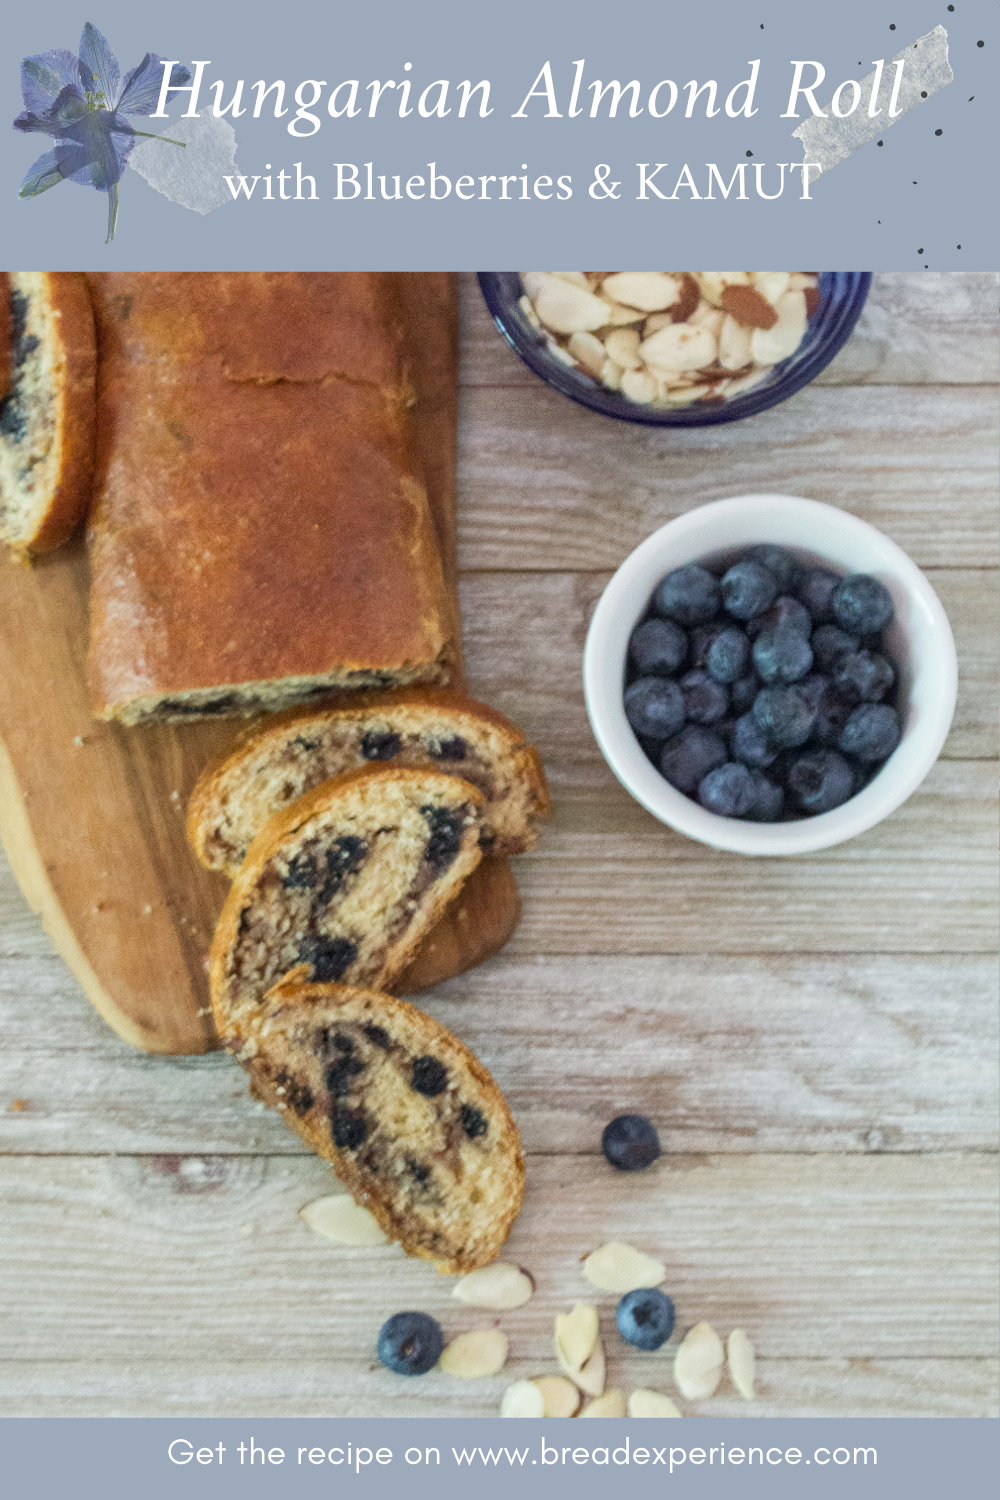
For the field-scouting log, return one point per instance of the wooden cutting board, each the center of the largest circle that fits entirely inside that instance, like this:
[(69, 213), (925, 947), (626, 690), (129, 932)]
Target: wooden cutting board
[(92, 814)]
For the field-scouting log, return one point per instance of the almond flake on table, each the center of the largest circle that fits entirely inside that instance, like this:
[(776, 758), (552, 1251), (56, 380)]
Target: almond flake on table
[(575, 1337), (560, 1395), (742, 1362), (522, 1399), (611, 1404), (644, 1403), (499, 1287), (617, 1267), (698, 1362), (474, 1355), (337, 1217)]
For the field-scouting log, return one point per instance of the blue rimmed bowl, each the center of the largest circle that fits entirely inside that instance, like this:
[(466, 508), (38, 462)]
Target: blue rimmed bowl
[(842, 295)]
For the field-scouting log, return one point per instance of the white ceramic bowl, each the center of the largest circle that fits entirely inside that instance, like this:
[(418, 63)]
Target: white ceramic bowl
[(919, 640)]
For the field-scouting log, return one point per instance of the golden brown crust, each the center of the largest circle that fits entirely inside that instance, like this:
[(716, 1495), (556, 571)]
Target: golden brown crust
[(331, 797), (222, 777), (261, 530), (278, 1050), (74, 409)]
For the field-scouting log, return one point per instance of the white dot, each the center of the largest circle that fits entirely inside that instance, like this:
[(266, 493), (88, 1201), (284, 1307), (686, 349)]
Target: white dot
[(524, 166), (267, 166), (407, 66)]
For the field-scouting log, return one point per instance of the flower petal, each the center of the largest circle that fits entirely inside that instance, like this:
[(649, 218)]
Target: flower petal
[(98, 58), (40, 176), (94, 150), (141, 89), (69, 108), (44, 76)]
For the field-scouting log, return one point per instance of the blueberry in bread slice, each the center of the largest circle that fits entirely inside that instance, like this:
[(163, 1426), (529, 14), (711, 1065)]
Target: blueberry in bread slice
[(275, 762), (47, 405), (410, 1120), (344, 884)]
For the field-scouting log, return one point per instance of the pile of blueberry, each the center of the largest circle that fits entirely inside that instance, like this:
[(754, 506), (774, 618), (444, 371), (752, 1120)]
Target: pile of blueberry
[(762, 688)]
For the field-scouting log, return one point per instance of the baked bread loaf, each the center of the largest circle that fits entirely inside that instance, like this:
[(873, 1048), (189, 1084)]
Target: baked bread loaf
[(46, 408), (411, 1122), (276, 761), (343, 884), (261, 532)]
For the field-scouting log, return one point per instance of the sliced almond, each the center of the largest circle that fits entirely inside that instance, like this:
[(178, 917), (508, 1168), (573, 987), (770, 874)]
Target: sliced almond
[(611, 375), (587, 351), (566, 308), (590, 1378), (656, 321), (799, 280), (617, 1267), (560, 1395), (339, 1218), (575, 278), (528, 308), (651, 1404), (742, 1363), (680, 395), (698, 1362), (772, 284), (639, 386), (734, 345), (747, 382), (650, 291), (611, 1404), (622, 345), (575, 1337), (474, 1355), (707, 316), (532, 281), (522, 1399), (619, 316), (749, 307), (769, 345), (680, 347), (500, 1286)]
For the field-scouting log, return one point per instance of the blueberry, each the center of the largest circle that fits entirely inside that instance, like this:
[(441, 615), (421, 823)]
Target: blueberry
[(728, 655), (743, 692), (410, 1343), (784, 611), (872, 732), (690, 755), (863, 677), (820, 780), (645, 1317), (701, 640), (657, 648), (813, 688), (689, 595), (832, 713), (728, 791), (654, 706), (785, 716), (829, 644), (749, 744), (815, 589), (748, 589), (861, 604), (630, 1143), (782, 654), (769, 799), (777, 560), (705, 700)]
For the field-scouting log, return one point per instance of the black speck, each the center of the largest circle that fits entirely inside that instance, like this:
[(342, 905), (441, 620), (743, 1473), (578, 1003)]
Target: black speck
[(301, 743), (429, 1076), (923, 93), (951, 7), (970, 99), (380, 745), (980, 44), (920, 251), (891, 26), (914, 182), (879, 143), (958, 247), (749, 153), (329, 958), (378, 1037), (347, 1128), (474, 1122), (939, 132)]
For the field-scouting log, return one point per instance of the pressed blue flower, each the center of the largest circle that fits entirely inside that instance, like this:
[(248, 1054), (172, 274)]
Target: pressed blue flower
[(82, 102)]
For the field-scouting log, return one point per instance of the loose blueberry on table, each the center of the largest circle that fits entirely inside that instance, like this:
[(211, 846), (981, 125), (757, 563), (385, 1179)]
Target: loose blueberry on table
[(410, 1343), (630, 1143), (761, 688), (645, 1318)]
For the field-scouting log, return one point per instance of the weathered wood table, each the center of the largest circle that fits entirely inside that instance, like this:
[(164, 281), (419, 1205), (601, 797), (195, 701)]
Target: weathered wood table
[(815, 1037)]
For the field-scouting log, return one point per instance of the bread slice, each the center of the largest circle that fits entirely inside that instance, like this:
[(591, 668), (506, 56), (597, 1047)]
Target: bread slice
[(411, 1122), (262, 532), (47, 409), (343, 884), (276, 761)]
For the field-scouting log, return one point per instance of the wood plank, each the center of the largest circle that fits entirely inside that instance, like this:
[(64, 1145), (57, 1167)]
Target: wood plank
[(918, 328), (524, 636), (608, 878), (545, 484), (176, 1258), (323, 1388), (825, 1054)]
